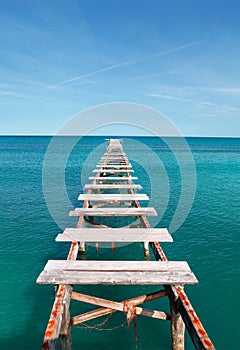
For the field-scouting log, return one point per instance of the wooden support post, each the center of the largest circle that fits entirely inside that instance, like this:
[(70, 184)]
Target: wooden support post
[(65, 332), (177, 328), (81, 247), (146, 250)]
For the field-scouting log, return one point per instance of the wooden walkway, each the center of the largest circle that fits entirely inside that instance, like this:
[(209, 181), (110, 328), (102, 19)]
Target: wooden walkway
[(113, 172)]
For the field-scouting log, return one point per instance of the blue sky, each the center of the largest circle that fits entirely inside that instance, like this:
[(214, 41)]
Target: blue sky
[(60, 57)]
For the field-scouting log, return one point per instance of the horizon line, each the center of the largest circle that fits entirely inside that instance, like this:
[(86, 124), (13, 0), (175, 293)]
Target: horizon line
[(115, 136)]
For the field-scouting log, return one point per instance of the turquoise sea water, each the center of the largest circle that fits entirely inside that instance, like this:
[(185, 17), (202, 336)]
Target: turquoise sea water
[(208, 239)]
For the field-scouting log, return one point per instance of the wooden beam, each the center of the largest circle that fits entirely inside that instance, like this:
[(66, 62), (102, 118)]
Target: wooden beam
[(54, 326), (177, 329), (117, 306), (149, 211), (65, 332), (90, 315), (114, 235)]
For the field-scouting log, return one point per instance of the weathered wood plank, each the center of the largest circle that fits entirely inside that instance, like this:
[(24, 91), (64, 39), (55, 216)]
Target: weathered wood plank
[(149, 211), (118, 158), (118, 166), (118, 265), (113, 165), (116, 272), (102, 197), (113, 178), (114, 235), (111, 187), (70, 276), (114, 171), (121, 154)]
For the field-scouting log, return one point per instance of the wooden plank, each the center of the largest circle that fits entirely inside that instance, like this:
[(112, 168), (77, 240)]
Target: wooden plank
[(102, 197), (118, 166), (123, 158), (119, 153), (118, 306), (113, 278), (113, 178), (118, 265), (149, 211), (115, 235), (113, 171), (114, 163), (116, 272), (111, 187)]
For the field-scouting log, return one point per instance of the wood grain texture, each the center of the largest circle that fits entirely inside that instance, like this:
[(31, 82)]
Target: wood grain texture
[(113, 178), (149, 211), (113, 166), (116, 272), (114, 171), (112, 187), (114, 235), (102, 197)]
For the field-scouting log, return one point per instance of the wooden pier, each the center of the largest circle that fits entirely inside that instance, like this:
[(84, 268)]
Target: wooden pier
[(114, 172)]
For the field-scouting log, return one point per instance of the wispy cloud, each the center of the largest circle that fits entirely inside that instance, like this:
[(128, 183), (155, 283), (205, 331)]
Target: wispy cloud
[(170, 97), (196, 103), (155, 75), (6, 94), (227, 90), (122, 64)]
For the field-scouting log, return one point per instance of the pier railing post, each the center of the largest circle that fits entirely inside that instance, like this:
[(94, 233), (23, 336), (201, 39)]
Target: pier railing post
[(177, 327)]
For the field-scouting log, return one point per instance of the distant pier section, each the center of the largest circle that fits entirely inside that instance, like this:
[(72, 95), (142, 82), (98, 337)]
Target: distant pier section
[(112, 193)]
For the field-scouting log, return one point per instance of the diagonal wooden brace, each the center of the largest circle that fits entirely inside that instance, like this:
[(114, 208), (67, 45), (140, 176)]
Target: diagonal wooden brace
[(111, 306)]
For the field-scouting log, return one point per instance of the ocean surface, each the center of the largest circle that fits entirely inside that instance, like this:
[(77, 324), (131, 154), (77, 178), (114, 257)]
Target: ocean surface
[(208, 237)]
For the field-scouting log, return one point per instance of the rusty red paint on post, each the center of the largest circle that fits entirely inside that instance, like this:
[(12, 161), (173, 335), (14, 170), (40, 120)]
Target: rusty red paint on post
[(194, 318), (71, 251), (160, 251), (52, 326)]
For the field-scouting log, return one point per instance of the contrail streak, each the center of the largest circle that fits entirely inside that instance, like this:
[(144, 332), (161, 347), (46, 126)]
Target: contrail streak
[(144, 58)]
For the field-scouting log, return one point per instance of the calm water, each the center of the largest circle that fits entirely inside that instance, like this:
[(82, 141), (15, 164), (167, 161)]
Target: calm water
[(208, 239)]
